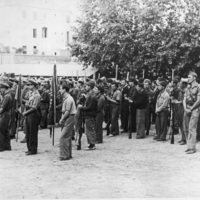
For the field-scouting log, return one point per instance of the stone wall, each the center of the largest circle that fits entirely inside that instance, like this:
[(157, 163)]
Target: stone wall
[(32, 59)]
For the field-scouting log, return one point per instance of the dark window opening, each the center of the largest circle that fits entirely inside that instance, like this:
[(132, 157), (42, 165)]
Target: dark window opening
[(44, 32)]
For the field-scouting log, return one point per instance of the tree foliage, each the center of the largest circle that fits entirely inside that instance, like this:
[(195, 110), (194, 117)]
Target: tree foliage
[(151, 35)]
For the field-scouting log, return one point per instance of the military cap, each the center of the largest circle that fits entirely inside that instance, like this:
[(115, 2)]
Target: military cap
[(147, 81), (163, 83), (4, 85), (12, 79), (193, 74), (175, 80), (32, 82), (109, 80), (91, 83)]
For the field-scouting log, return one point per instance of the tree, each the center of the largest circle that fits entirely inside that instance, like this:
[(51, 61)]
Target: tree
[(150, 35)]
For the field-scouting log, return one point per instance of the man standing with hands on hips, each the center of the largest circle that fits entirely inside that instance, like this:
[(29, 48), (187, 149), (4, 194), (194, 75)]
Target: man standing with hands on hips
[(191, 104)]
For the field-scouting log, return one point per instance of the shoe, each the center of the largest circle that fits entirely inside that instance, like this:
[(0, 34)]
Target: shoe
[(124, 131), (159, 139), (155, 138), (8, 149), (1, 150), (182, 143), (139, 137), (90, 148), (190, 151), (63, 159), (23, 141), (31, 153), (187, 150), (111, 135), (147, 132)]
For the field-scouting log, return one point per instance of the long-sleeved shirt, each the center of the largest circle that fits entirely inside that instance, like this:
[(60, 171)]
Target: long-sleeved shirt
[(162, 101), (91, 105)]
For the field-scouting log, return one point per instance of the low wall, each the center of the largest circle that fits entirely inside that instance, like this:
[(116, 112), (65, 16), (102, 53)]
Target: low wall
[(32, 59)]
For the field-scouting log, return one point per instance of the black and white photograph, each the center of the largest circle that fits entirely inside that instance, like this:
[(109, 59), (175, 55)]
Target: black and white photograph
[(99, 99)]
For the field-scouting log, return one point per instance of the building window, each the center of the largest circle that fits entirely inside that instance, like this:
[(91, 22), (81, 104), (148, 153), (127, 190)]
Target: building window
[(34, 33), (67, 36), (34, 15), (44, 32), (24, 49), (68, 19), (24, 14)]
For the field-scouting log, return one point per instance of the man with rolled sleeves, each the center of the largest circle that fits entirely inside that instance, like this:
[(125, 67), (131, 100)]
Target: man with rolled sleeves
[(191, 104), (162, 112)]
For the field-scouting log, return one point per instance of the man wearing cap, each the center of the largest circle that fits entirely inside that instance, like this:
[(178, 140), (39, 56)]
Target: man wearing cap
[(5, 116), (140, 99), (147, 88), (191, 104), (90, 113), (162, 112), (67, 122), (32, 117)]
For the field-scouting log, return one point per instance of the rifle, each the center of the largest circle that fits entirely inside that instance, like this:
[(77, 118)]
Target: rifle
[(171, 124), (172, 110), (18, 124), (130, 123)]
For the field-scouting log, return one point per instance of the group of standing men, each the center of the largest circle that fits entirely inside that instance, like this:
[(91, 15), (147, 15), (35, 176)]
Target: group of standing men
[(86, 104)]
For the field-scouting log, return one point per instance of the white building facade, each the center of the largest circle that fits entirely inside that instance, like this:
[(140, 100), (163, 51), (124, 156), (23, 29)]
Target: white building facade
[(38, 26)]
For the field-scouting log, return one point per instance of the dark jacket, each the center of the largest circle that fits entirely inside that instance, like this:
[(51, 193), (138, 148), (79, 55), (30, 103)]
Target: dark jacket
[(140, 100), (91, 106)]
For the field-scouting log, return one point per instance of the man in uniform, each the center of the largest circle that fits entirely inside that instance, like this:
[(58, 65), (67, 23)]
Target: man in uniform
[(191, 104), (5, 116), (162, 112)]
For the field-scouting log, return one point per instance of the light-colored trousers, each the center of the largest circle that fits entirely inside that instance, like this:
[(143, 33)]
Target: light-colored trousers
[(190, 128)]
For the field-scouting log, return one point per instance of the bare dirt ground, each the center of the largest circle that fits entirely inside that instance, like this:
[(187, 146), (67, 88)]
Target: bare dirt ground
[(119, 168)]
